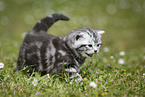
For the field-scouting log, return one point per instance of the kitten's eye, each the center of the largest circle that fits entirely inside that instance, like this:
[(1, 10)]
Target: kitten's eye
[(82, 45), (77, 37), (99, 44), (90, 45)]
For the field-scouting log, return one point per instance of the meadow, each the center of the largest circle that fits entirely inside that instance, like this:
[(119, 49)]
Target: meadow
[(118, 69)]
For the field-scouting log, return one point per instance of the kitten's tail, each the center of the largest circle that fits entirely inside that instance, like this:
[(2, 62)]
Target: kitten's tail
[(48, 21)]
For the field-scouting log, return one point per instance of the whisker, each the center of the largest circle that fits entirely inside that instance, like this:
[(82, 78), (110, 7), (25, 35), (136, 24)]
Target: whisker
[(99, 55)]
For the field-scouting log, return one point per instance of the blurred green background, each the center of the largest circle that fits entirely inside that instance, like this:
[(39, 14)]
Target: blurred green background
[(123, 21)]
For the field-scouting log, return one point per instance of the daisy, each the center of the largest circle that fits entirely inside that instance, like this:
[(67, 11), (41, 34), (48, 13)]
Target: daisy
[(121, 61), (122, 53), (37, 93), (143, 74), (97, 80), (48, 76), (106, 49), (70, 83), (35, 82), (144, 57), (112, 57), (1, 65), (97, 72), (93, 84)]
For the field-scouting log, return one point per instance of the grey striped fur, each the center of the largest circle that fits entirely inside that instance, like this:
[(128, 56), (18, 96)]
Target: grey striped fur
[(49, 53)]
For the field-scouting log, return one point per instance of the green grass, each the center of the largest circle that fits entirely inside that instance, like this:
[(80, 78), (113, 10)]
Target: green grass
[(114, 80), (124, 32)]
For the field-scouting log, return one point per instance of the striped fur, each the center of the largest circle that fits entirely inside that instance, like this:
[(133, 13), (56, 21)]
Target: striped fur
[(50, 54)]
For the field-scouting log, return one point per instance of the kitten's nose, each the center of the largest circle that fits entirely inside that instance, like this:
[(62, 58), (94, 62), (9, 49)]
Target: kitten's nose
[(95, 51)]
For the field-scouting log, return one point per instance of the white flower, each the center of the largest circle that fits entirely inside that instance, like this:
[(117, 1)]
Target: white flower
[(112, 57), (48, 76), (1, 65), (70, 83), (143, 75), (97, 80), (93, 84), (122, 53), (106, 49), (144, 57), (37, 93), (59, 86), (35, 82), (121, 61), (81, 83)]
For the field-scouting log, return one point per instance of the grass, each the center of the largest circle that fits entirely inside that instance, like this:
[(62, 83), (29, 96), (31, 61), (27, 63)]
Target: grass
[(112, 80), (124, 26)]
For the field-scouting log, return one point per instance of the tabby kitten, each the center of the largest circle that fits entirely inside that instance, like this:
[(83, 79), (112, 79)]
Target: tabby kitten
[(50, 54)]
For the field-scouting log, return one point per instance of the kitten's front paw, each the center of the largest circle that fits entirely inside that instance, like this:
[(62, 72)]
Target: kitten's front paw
[(74, 74), (78, 78)]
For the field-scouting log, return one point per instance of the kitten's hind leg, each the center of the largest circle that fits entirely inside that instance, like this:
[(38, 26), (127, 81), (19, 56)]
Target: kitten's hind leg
[(21, 59)]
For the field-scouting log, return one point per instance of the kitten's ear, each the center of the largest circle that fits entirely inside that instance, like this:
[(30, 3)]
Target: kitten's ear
[(100, 31)]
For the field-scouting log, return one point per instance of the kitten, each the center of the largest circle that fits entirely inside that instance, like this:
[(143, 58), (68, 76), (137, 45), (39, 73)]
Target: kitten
[(50, 54)]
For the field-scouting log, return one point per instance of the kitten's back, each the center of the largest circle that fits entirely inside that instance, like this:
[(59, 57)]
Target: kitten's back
[(30, 48)]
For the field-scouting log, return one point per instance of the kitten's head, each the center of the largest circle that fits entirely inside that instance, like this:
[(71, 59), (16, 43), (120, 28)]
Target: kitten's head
[(85, 40)]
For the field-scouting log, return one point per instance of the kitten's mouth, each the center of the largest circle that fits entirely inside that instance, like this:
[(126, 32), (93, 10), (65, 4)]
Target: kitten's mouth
[(85, 54), (90, 55)]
